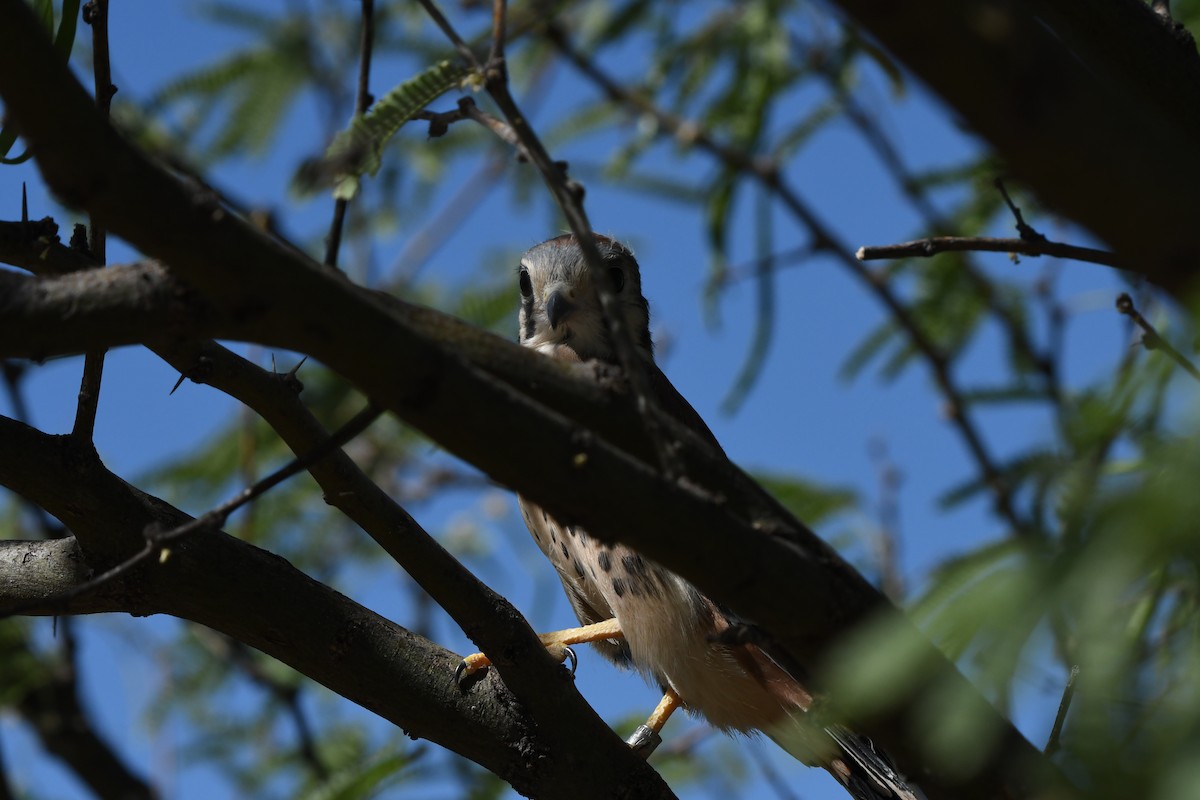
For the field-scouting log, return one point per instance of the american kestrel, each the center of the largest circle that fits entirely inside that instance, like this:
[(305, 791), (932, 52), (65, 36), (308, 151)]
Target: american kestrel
[(634, 611)]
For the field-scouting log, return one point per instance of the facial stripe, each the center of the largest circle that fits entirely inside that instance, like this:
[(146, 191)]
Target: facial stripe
[(528, 316)]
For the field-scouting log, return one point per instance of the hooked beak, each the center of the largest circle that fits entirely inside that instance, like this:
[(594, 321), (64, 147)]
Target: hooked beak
[(558, 307)]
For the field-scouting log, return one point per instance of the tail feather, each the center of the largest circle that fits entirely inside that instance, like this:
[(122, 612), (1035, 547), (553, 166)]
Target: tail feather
[(853, 760), (866, 771)]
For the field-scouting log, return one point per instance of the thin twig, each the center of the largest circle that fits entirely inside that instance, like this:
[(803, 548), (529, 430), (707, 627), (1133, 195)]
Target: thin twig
[(157, 541), (1055, 741), (499, 22), (1151, 339), (95, 13), (464, 50), (230, 650), (440, 122), (362, 101), (889, 156), (924, 248), (891, 579), (1027, 231)]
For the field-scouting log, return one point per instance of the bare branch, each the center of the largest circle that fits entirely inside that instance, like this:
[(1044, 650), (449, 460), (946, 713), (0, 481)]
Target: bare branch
[(213, 579), (362, 101), (1151, 339), (499, 34), (925, 248), (158, 541), (95, 13), (464, 50)]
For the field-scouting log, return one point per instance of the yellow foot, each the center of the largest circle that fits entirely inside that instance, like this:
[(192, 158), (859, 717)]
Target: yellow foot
[(557, 643), (646, 739)]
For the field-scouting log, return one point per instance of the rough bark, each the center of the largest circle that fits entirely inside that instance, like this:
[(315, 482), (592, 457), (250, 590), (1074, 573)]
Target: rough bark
[(258, 598)]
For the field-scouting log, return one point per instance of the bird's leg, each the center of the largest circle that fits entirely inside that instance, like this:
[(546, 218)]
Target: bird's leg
[(646, 739), (557, 642)]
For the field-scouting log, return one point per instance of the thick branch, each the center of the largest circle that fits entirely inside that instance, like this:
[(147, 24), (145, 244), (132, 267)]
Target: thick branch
[(260, 599), (32, 574)]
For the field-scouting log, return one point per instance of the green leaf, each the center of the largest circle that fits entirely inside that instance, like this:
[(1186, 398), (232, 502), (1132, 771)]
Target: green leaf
[(716, 216), (358, 149), (871, 346), (807, 500), (362, 781), (64, 42), (1008, 394), (764, 319), (64, 39), (880, 58), (1014, 471)]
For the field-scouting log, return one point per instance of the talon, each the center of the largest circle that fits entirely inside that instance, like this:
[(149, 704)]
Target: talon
[(570, 656), (469, 667), (644, 741)]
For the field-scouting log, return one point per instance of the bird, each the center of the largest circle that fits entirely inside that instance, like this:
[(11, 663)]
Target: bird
[(634, 611)]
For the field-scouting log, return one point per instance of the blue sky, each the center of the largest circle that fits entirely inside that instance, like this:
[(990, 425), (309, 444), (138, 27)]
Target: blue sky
[(800, 418)]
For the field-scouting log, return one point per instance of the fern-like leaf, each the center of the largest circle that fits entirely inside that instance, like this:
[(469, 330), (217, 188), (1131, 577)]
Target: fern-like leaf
[(357, 150)]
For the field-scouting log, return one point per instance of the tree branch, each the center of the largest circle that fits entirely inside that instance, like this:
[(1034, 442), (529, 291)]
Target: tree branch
[(215, 580), (95, 14), (925, 248), (35, 246)]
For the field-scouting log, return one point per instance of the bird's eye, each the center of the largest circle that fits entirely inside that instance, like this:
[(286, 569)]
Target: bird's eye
[(526, 284), (617, 276)]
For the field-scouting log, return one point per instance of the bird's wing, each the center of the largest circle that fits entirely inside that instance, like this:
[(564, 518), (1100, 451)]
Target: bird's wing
[(672, 403)]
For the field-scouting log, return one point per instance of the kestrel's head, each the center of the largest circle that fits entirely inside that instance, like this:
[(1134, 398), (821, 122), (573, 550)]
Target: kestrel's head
[(560, 308)]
